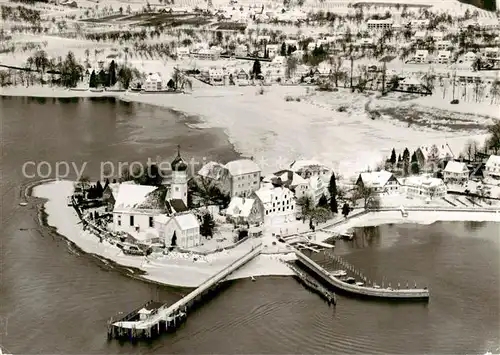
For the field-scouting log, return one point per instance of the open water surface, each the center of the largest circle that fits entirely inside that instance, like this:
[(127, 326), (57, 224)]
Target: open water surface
[(55, 300)]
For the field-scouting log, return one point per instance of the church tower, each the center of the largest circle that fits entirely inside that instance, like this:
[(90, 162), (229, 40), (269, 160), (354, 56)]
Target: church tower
[(179, 186)]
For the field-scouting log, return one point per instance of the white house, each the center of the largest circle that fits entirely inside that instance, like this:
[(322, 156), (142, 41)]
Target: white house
[(182, 230), (318, 187), (410, 84), (277, 204), (379, 24), (272, 50), (470, 57), (244, 177), (492, 169), (443, 57), (380, 181), (443, 45), (424, 187), (153, 82), (244, 210), (421, 56), (420, 35), (241, 50), (135, 208), (291, 180), (182, 52), (455, 172)]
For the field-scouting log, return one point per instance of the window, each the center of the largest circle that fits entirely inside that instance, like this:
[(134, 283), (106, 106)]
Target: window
[(274, 205), (119, 220), (151, 222), (254, 175), (267, 212), (131, 220), (176, 189)]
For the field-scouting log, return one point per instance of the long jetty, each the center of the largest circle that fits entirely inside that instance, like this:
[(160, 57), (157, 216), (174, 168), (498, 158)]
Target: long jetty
[(367, 291), (168, 317)]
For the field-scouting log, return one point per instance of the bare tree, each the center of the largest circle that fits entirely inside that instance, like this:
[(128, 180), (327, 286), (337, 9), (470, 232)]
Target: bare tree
[(337, 72), (291, 66), (368, 195), (471, 149)]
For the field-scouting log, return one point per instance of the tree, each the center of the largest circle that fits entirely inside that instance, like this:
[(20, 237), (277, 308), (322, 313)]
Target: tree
[(393, 157), (406, 155), (207, 225), (125, 76), (102, 78), (306, 205), (345, 210), (323, 201), (208, 192), (143, 174), (337, 72), (283, 50), (415, 169), (368, 195), (471, 149), (93, 80), (332, 190), (112, 73), (493, 140), (291, 66), (256, 69), (71, 71), (171, 84)]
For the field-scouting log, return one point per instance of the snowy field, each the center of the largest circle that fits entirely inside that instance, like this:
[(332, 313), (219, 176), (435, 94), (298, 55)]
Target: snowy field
[(276, 132)]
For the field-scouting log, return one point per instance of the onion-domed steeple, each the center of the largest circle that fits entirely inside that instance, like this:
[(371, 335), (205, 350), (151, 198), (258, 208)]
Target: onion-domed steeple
[(178, 164)]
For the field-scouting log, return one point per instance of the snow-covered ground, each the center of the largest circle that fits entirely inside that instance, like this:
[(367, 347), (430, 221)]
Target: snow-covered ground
[(178, 269)]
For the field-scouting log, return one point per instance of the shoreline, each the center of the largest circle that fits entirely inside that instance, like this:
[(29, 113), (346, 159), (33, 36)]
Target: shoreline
[(253, 269)]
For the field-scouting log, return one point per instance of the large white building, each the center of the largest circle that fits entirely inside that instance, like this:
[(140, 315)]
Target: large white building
[(455, 172), (135, 208), (277, 204), (424, 187), (492, 169), (153, 82), (244, 177)]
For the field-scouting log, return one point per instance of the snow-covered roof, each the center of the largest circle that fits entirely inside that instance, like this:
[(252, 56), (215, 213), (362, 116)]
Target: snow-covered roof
[(240, 207), (376, 178), (145, 311), (442, 151), (162, 218), (213, 170), (267, 195), (411, 81), (242, 166), (130, 196), (456, 167), (300, 165), (493, 160), (154, 77), (422, 181), (147, 234), (186, 221), (290, 178)]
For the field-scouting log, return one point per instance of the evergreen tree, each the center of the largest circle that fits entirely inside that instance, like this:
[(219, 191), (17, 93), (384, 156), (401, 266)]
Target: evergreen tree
[(393, 156), (112, 73), (93, 80), (406, 155), (171, 84), (98, 189), (323, 201), (256, 69), (125, 76), (207, 225), (102, 78), (415, 169), (283, 50), (414, 158), (332, 189), (399, 158), (346, 209)]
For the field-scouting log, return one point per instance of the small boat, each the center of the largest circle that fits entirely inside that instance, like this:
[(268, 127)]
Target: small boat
[(348, 234), (359, 283), (339, 273), (350, 280), (252, 278), (23, 204)]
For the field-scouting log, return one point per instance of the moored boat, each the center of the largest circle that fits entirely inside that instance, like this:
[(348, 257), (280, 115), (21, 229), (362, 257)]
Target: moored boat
[(339, 273)]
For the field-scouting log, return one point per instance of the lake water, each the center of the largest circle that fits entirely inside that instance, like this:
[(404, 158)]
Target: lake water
[(54, 300)]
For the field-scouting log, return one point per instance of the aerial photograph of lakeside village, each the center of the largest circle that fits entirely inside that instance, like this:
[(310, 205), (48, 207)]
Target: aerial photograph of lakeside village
[(250, 177)]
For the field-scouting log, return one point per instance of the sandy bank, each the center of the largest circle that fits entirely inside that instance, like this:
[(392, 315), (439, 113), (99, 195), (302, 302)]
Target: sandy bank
[(175, 269)]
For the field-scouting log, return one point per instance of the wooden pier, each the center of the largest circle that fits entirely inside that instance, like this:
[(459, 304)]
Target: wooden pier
[(373, 291), (313, 285), (152, 319)]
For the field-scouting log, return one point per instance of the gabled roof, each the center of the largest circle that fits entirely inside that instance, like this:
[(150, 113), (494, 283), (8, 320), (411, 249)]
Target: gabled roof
[(493, 159), (376, 178), (240, 207), (289, 178), (175, 206), (313, 165), (185, 221), (456, 167), (267, 195)]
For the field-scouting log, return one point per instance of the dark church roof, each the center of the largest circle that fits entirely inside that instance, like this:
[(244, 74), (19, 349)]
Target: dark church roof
[(175, 206), (178, 164)]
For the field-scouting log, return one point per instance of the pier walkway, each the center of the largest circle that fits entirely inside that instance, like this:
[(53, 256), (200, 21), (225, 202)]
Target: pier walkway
[(368, 291), (165, 312)]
